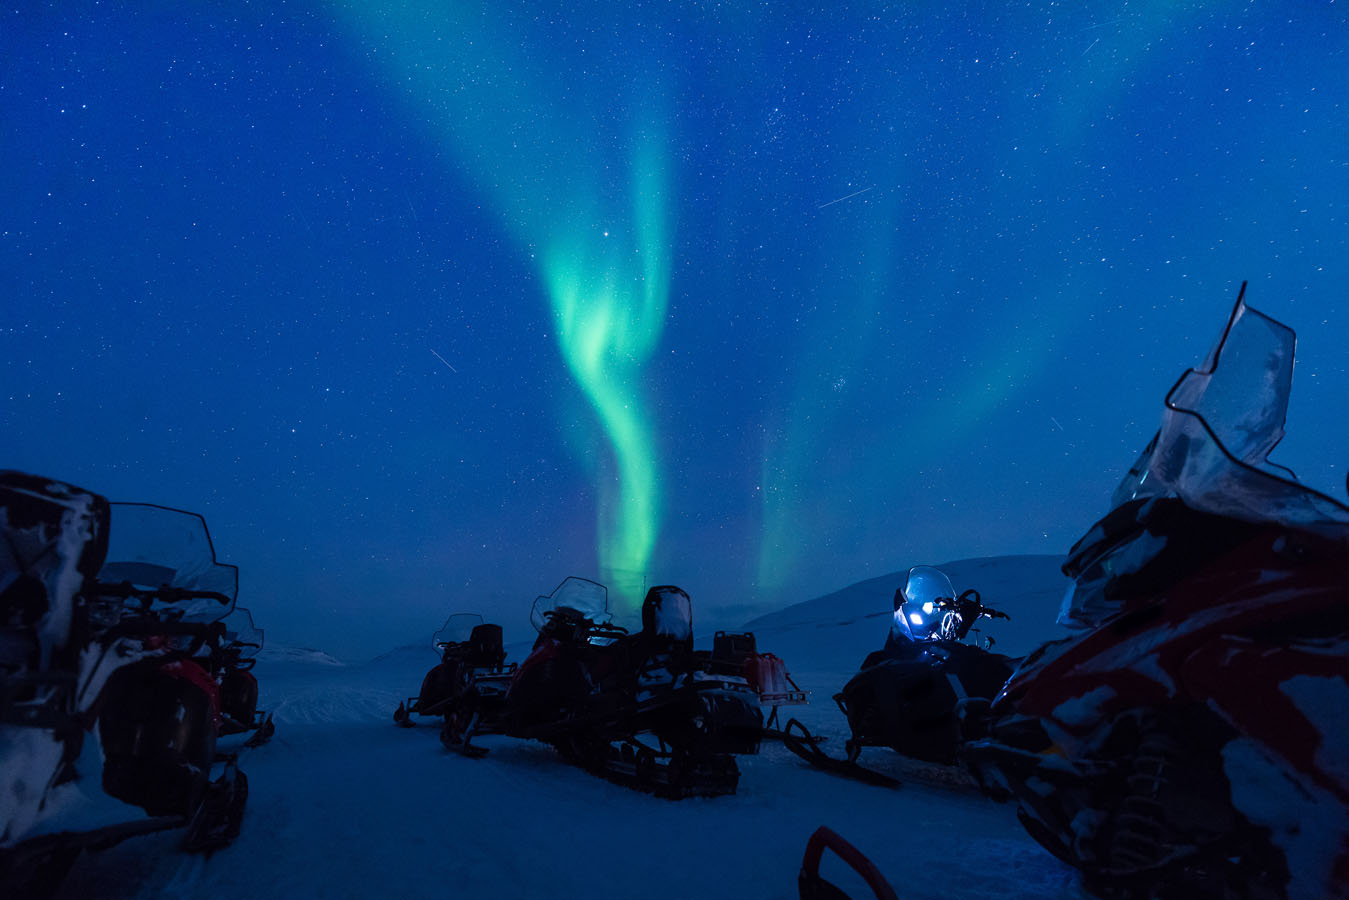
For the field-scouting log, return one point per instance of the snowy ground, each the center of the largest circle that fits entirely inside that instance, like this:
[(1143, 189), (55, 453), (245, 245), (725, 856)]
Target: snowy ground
[(344, 804)]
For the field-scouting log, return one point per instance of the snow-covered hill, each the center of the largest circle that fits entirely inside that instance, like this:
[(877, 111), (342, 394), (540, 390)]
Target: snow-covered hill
[(280, 656), (346, 805)]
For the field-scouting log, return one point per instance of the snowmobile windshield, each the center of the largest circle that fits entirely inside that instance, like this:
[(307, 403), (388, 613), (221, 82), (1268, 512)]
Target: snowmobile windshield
[(242, 634), (918, 615), (155, 546), (1219, 424), (457, 629), (589, 598)]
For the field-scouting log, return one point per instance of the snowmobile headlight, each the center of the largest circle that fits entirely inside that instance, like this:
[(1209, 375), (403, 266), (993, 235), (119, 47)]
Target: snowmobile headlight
[(915, 618)]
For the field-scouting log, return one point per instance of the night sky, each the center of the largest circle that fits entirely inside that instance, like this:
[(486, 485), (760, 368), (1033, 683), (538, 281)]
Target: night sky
[(426, 306)]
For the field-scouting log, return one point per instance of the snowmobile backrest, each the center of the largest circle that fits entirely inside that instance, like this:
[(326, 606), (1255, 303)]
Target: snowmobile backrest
[(53, 539), (731, 651), (485, 646), (667, 616)]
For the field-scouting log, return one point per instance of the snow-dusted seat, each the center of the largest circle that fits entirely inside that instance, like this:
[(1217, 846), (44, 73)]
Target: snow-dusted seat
[(666, 639), (667, 619), (52, 541)]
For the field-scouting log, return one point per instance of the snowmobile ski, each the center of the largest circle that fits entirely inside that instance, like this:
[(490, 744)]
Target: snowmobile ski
[(456, 734), (800, 741), (218, 819), (262, 735)]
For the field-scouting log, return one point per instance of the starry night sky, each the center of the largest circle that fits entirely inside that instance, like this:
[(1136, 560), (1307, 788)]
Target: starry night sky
[(426, 306)]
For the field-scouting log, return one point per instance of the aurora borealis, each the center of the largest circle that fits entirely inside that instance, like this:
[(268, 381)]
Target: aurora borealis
[(758, 301), (605, 268)]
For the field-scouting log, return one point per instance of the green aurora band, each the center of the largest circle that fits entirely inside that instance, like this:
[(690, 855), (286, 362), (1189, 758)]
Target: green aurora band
[(532, 141), (608, 326)]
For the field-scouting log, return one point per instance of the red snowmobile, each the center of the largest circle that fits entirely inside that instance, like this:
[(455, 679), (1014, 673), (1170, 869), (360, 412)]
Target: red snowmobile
[(471, 653), (230, 661), (104, 611), (641, 709), (1192, 740)]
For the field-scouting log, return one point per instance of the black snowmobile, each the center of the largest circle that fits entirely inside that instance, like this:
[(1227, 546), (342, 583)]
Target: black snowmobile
[(916, 694), (639, 709), (99, 673)]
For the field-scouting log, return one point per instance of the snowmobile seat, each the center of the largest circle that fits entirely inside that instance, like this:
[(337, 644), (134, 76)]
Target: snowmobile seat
[(667, 628), (485, 647), (53, 538), (667, 619)]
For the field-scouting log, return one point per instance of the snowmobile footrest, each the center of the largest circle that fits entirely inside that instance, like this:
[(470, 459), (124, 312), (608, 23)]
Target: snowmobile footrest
[(217, 821), (263, 734)]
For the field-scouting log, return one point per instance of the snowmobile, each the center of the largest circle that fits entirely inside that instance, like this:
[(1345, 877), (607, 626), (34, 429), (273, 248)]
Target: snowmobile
[(103, 609), (471, 652), (639, 709), (1190, 740), (230, 660), (910, 695)]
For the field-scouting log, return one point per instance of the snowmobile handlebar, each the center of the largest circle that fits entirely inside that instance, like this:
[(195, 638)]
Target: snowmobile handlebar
[(164, 593), (607, 629), (579, 625), (970, 604), (148, 626)]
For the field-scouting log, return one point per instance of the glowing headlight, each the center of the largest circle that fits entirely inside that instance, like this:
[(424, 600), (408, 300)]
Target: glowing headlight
[(915, 618), (927, 608)]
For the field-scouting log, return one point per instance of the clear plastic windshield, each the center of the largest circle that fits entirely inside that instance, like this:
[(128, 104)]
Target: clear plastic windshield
[(155, 546), (241, 634), (457, 629), (918, 616), (1219, 425), (589, 598)]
